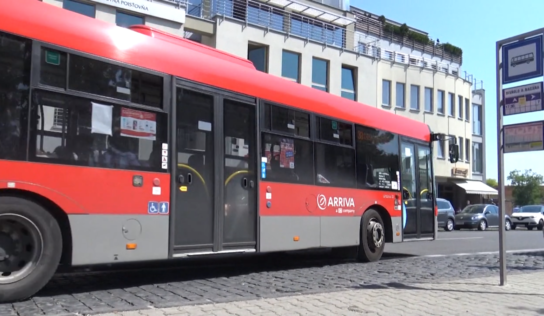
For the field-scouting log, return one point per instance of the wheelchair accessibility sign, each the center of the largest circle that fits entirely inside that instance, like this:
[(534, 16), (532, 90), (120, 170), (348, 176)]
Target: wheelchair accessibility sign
[(158, 207)]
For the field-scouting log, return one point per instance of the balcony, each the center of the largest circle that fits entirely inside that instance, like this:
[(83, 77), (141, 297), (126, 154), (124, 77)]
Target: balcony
[(310, 24)]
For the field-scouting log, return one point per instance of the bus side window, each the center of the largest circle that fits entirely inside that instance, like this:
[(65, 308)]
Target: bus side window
[(288, 159)]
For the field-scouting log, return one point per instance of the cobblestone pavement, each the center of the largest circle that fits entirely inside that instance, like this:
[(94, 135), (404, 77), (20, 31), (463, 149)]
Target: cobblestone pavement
[(270, 277), (523, 295)]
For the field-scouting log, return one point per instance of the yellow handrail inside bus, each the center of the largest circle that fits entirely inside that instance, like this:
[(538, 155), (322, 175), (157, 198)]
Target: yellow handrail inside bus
[(182, 165), (409, 194), (421, 193), (234, 174)]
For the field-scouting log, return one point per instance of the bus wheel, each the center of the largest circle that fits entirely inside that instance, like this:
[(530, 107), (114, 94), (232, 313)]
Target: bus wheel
[(30, 248), (372, 237)]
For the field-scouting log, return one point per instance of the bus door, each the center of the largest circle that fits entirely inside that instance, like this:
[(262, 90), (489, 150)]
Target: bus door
[(417, 190), (214, 183)]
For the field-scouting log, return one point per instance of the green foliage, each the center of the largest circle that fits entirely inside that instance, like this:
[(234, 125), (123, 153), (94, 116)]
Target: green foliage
[(527, 187), (452, 49), (382, 19), (492, 183), (420, 38)]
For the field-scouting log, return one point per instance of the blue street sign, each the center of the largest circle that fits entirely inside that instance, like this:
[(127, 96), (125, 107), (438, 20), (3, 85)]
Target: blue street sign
[(523, 99), (152, 207), (163, 208), (522, 60)]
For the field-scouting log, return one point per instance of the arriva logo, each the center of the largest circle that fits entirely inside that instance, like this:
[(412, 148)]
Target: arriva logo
[(323, 203)]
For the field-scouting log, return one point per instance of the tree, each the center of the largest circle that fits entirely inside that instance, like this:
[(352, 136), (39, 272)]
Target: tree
[(492, 183), (527, 187)]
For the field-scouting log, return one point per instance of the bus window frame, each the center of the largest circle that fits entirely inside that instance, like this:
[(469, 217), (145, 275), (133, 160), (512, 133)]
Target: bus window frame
[(317, 140), (36, 70), (35, 84)]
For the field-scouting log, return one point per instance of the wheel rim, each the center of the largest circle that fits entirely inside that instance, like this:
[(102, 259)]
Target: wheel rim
[(376, 234), (450, 224), (507, 225), (21, 246), (482, 225)]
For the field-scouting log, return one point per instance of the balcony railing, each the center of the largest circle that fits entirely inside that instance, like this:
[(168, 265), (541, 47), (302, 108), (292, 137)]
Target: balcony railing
[(273, 18)]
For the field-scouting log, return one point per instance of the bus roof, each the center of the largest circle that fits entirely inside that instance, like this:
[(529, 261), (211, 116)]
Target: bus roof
[(178, 40), (54, 25)]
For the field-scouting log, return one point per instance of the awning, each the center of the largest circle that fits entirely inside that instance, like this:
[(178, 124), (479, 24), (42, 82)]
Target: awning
[(476, 187), (311, 11)]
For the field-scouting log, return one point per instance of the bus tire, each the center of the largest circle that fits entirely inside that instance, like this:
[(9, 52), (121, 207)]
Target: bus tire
[(33, 248), (372, 237)]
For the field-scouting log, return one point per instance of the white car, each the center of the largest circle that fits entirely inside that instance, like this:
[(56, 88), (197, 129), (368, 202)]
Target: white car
[(530, 216)]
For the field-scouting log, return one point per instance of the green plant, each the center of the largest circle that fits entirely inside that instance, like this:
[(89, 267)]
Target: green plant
[(382, 19), (403, 29), (452, 49), (420, 38)]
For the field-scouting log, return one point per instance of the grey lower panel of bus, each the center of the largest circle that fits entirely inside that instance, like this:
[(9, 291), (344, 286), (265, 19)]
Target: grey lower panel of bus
[(98, 239), (396, 225), (277, 232)]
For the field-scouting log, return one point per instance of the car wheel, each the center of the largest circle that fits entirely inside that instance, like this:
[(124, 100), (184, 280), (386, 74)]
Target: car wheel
[(449, 225), (507, 225), (482, 225), (540, 224)]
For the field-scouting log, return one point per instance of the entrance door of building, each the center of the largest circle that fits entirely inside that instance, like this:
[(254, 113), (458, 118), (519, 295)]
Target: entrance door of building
[(417, 190), (215, 185)]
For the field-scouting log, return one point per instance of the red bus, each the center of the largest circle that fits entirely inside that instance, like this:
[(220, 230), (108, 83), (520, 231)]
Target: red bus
[(126, 145)]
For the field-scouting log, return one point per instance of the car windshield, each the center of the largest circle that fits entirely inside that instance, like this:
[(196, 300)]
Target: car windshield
[(473, 209), (530, 209)]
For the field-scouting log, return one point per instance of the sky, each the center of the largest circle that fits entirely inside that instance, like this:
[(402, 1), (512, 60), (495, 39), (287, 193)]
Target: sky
[(475, 27)]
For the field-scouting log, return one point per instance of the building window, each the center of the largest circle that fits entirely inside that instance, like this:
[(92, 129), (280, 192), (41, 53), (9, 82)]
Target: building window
[(320, 74), (348, 83), (377, 158), (79, 7), (414, 97), (451, 104), (258, 55), (461, 144), (460, 106), (467, 110), (440, 149), (290, 66), (440, 101), (467, 150), (429, 100), (399, 94), (477, 157), (386, 92), (476, 119), (125, 20)]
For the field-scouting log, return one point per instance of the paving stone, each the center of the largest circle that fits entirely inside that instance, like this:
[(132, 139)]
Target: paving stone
[(273, 277)]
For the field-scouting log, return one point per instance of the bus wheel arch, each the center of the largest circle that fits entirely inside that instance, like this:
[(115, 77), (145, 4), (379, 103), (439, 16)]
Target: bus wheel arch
[(56, 211), (375, 227)]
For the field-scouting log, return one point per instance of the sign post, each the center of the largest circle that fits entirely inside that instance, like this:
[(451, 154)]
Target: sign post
[(518, 58)]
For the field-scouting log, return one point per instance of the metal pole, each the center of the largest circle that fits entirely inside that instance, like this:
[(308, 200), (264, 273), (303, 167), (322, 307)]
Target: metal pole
[(500, 155)]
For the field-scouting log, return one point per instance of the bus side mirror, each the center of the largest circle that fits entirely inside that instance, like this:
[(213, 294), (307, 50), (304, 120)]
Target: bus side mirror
[(454, 153)]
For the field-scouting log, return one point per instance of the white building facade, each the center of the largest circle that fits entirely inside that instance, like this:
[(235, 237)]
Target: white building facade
[(332, 47)]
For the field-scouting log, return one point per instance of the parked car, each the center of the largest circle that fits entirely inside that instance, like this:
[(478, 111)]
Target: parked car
[(446, 214), (481, 216), (530, 216)]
